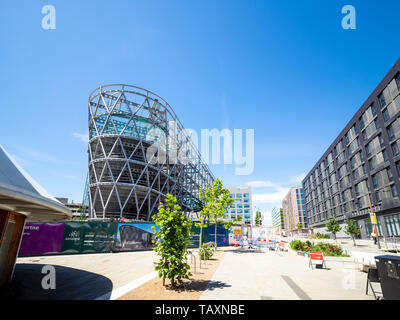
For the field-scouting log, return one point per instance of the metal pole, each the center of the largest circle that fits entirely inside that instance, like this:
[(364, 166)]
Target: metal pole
[(375, 228)]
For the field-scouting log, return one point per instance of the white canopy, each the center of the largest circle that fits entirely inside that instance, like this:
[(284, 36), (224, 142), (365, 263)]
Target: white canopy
[(20, 193)]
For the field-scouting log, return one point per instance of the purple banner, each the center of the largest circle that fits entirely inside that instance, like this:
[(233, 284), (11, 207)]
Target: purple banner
[(41, 238)]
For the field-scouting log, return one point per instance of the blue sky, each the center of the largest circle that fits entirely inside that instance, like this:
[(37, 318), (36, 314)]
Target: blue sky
[(281, 68)]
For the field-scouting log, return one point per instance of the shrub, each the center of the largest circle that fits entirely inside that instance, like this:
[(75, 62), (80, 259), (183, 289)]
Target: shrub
[(320, 236), (206, 251), (327, 249), (172, 241)]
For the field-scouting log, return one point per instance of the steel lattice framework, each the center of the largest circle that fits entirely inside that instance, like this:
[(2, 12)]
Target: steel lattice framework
[(124, 122)]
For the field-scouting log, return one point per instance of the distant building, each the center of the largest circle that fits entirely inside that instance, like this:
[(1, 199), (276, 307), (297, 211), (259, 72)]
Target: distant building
[(76, 208), (242, 205), (278, 218), (361, 165), (293, 209)]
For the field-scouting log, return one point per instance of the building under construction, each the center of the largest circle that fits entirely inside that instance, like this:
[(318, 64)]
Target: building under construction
[(138, 152)]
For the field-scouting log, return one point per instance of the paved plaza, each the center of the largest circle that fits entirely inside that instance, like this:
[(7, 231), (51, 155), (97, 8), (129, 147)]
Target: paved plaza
[(244, 273), (83, 276), (274, 275)]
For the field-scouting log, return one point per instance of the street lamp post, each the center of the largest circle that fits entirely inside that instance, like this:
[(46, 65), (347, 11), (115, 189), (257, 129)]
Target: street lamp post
[(375, 227)]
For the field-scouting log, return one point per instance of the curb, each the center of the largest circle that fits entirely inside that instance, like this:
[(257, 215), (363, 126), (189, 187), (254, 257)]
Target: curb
[(115, 294)]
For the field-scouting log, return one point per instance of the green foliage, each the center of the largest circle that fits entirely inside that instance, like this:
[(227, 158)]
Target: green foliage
[(206, 251), (172, 241), (216, 201), (299, 226), (333, 226), (320, 236), (299, 245), (232, 223), (351, 228), (258, 220), (327, 249)]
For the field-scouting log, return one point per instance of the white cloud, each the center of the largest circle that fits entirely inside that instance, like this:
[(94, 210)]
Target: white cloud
[(84, 137), (297, 179), (261, 184), (271, 197)]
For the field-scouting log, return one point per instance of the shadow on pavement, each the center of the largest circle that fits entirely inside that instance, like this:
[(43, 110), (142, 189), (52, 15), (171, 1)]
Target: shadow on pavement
[(71, 284), (244, 250), (199, 285)]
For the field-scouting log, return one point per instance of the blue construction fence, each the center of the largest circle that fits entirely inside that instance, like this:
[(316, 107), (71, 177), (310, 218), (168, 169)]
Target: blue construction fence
[(77, 237)]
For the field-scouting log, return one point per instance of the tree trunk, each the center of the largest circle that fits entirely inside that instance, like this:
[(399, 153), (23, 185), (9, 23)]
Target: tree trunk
[(334, 236), (201, 235), (354, 240)]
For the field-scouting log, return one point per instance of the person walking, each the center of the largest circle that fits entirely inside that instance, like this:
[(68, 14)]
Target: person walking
[(373, 235)]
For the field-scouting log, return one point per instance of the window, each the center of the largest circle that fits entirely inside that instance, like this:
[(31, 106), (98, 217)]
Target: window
[(390, 174), (353, 146), (339, 148), (351, 134), (341, 157), (394, 130), (381, 178), (387, 193), (359, 172), (394, 191), (342, 171), (384, 97), (367, 116), (344, 182), (393, 225), (371, 129), (246, 195), (361, 188), (378, 159), (398, 81), (374, 146), (356, 160), (393, 89), (392, 109)]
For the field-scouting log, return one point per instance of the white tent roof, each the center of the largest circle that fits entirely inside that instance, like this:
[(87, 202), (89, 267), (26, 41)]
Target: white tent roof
[(20, 193)]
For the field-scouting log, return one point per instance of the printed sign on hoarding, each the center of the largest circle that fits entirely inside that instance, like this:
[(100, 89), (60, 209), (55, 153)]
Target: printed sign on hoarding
[(41, 238)]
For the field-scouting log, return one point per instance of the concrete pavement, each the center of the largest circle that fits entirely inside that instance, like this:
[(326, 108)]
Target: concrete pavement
[(83, 276), (249, 274)]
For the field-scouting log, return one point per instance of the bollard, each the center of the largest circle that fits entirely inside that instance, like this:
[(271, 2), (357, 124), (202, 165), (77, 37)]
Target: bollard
[(191, 261)]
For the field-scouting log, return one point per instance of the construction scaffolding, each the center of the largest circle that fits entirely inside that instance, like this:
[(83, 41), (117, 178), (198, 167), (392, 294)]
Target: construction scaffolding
[(138, 152)]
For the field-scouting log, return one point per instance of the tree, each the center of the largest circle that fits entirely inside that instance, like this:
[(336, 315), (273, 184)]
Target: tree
[(172, 241), (204, 214), (299, 226), (333, 227), (230, 224), (258, 218), (216, 201), (352, 230)]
